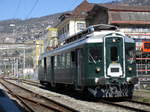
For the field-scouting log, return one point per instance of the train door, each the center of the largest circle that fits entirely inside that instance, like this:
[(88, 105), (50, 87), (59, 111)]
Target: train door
[(48, 64), (40, 71), (79, 66), (52, 72), (45, 68), (114, 57)]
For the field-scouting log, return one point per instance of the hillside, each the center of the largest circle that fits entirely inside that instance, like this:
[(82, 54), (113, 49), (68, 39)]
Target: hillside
[(24, 30), (32, 29)]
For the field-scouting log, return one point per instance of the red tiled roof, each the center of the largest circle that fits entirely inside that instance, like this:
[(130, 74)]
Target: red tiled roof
[(117, 7), (123, 14), (129, 17), (130, 22), (82, 9)]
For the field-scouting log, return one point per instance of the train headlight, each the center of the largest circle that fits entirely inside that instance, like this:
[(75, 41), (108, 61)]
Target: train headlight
[(130, 68), (114, 40), (128, 79), (98, 69)]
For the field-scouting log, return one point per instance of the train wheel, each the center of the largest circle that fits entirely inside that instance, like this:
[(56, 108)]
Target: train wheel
[(42, 82)]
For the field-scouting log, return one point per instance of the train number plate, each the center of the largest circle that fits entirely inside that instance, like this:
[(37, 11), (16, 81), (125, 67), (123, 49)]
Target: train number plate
[(114, 69)]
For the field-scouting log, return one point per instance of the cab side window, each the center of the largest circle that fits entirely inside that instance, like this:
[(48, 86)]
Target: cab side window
[(95, 54)]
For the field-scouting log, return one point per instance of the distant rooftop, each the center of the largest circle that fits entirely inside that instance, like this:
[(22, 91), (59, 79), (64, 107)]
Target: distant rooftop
[(79, 12), (120, 7), (123, 14)]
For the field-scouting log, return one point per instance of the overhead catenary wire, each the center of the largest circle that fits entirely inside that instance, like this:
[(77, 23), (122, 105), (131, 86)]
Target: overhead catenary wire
[(74, 2), (108, 1), (17, 9), (30, 12)]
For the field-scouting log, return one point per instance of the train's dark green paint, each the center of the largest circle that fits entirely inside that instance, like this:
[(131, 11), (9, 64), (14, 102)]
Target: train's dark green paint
[(101, 61)]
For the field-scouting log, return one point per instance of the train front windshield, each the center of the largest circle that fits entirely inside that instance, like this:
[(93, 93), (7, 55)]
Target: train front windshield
[(130, 53), (95, 54), (114, 53)]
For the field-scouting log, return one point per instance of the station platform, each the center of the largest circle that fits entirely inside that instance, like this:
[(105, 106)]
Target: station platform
[(6, 104)]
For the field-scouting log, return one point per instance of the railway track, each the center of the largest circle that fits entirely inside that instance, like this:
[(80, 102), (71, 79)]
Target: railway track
[(34, 102), (33, 83), (130, 105), (138, 102), (127, 104), (30, 82), (134, 108)]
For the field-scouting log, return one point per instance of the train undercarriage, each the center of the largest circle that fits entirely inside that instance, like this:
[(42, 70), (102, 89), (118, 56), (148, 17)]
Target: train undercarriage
[(110, 91)]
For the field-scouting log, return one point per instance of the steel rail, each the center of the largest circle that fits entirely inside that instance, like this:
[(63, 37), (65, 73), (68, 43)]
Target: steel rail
[(59, 106), (35, 102), (39, 103), (138, 102), (22, 98), (123, 106), (22, 80), (17, 97), (30, 82), (36, 84)]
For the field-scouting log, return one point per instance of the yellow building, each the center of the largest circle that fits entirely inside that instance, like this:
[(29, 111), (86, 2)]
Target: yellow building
[(50, 41), (39, 49)]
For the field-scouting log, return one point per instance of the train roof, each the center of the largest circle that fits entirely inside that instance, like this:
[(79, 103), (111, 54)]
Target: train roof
[(90, 29), (94, 37)]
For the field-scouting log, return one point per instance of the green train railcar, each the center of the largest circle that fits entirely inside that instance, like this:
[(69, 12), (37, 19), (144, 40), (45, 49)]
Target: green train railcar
[(99, 59)]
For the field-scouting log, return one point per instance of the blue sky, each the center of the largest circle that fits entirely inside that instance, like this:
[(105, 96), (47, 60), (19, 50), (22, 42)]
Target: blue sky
[(22, 9)]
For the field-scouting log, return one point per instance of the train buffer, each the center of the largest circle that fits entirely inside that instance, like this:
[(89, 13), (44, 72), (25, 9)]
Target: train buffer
[(6, 104)]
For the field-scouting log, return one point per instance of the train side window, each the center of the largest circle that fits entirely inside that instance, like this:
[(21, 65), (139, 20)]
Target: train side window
[(55, 61), (60, 65), (95, 54), (68, 60), (73, 59), (63, 60), (42, 63), (73, 56), (58, 61), (130, 53)]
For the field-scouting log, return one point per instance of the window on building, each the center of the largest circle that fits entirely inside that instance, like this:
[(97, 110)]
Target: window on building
[(81, 26), (67, 27), (83, 13), (59, 33), (39, 63)]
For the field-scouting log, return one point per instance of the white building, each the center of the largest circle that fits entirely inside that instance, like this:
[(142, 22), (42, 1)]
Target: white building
[(73, 22)]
